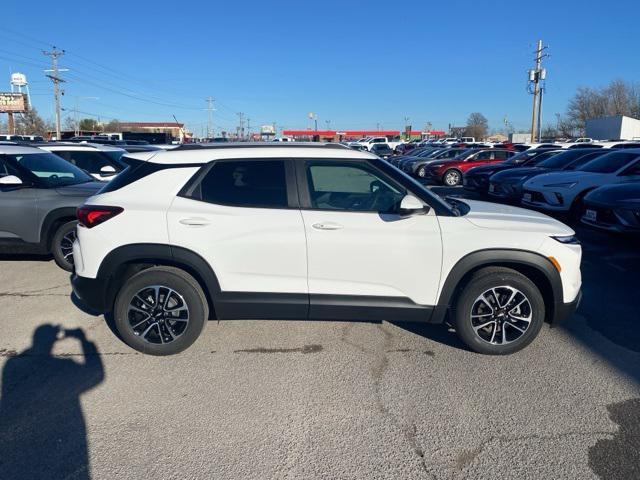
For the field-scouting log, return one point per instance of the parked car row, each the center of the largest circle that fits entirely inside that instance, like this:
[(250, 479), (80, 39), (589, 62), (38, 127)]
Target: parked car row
[(600, 187)]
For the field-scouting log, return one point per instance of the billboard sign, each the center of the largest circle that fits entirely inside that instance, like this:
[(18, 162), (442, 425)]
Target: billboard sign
[(13, 103), (267, 130)]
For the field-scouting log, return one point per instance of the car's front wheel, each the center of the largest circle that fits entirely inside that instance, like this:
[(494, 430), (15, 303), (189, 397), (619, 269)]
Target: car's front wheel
[(160, 311), (422, 172), (62, 245), (498, 312), (452, 178)]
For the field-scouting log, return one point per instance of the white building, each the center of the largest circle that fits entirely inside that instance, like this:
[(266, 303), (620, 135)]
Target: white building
[(617, 127)]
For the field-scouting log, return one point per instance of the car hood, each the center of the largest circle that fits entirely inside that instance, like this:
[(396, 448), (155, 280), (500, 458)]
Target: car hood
[(505, 217), (80, 190), (516, 174), (586, 178), (626, 195)]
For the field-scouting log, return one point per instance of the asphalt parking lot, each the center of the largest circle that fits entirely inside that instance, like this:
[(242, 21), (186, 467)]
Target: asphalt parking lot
[(287, 399)]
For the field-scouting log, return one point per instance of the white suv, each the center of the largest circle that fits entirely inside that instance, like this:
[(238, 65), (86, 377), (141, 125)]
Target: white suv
[(315, 232)]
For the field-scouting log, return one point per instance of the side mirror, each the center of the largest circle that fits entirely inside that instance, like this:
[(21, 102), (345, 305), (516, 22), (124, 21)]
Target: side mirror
[(107, 171), (411, 205), (10, 180)]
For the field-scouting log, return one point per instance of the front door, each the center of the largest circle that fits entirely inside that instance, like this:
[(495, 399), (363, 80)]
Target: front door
[(360, 250)]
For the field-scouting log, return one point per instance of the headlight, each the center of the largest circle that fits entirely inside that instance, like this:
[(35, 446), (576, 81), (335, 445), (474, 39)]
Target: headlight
[(567, 239), (562, 185)]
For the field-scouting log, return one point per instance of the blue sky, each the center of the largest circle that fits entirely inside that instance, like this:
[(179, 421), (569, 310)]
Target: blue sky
[(356, 64)]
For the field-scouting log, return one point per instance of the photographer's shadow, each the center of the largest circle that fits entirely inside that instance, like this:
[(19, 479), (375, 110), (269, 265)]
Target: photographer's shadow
[(42, 427)]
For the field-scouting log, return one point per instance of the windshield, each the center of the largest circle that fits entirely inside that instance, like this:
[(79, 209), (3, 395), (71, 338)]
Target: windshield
[(609, 163), (563, 159), (523, 157), (51, 170)]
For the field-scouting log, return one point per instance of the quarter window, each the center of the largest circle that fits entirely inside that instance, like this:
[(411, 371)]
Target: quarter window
[(351, 187), (246, 183)]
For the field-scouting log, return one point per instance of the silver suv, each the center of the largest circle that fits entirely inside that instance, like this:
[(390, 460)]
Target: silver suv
[(39, 193)]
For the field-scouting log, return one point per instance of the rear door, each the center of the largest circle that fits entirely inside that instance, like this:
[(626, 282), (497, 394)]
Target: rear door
[(360, 251), (242, 217)]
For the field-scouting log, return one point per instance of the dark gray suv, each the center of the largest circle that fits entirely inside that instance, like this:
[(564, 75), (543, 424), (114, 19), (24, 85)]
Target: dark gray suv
[(39, 193)]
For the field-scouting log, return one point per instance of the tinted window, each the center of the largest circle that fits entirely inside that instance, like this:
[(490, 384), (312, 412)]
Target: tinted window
[(501, 154), (92, 162), (609, 163), (563, 159), (484, 155), (633, 170), (582, 161), (6, 169), (246, 184), (353, 187)]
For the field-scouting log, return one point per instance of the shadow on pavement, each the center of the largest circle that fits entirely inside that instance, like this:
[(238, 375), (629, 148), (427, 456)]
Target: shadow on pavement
[(42, 427), (610, 286)]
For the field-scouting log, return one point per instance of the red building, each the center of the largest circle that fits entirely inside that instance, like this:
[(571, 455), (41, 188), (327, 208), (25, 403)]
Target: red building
[(340, 135)]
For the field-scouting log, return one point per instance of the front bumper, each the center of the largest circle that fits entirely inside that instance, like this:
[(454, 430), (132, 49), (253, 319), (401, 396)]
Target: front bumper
[(564, 311), (90, 291)]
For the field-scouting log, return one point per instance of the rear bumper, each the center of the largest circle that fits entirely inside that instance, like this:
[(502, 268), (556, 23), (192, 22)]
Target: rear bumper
[(563, 311), (90, 292)]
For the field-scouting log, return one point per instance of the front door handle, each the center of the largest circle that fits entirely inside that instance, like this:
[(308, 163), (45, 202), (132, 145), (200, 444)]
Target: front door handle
[(194, 221), (327, 226)]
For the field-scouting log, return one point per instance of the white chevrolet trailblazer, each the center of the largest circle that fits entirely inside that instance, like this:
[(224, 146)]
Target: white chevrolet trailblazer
[(312, 231)]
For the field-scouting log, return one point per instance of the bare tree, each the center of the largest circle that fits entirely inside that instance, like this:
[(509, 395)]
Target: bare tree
[(30, 123), (617, 98), (477, 126)]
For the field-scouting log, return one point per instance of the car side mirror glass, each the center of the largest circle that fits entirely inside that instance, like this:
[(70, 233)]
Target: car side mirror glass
[(411, 205), (107, 171), (10, 180)]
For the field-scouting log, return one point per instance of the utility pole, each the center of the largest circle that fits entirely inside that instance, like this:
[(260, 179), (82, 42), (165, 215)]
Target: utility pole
[(55, 78), (536, 76), (249, 128), (241, 125), (210, 110)]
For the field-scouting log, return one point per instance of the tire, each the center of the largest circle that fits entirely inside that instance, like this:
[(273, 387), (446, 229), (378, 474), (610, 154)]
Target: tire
[(62, 245), (452, 178), (422, 172), (506, 330), (160, 332)]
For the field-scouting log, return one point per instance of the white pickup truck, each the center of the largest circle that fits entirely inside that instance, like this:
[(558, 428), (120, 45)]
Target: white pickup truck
[(368, 142)]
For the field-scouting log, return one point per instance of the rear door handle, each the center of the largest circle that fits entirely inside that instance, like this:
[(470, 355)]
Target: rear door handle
[(194, 222), (327, 226)]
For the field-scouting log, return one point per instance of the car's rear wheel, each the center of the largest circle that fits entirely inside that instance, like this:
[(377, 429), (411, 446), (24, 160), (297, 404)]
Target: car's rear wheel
[(62, 245), (499, 311), (452, 178), (160, 311)]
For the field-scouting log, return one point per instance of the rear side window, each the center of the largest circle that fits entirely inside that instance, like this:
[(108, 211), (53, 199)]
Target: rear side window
[(245, 183)]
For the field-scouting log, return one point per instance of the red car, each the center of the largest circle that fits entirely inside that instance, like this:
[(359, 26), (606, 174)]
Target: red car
[(449, 172)]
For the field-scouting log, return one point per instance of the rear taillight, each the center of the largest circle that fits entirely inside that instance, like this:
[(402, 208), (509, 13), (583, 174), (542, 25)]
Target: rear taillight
[(91, 215)]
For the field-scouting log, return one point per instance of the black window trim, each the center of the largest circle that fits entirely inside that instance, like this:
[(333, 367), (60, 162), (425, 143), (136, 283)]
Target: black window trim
[(293, 199)]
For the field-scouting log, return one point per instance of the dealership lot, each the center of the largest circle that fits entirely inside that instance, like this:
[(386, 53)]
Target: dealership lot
[(288, 399)]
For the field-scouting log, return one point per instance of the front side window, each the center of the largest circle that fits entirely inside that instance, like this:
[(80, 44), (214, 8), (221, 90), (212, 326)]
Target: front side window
[(245, 183), (351, 187)]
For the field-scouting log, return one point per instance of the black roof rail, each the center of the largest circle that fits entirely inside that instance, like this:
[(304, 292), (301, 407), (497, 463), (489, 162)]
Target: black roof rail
[(61, 144), (224, 145)]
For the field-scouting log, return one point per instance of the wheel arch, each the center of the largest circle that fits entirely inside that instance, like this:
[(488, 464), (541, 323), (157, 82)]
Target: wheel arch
[(534, 266), (52, 221), (123, 262)]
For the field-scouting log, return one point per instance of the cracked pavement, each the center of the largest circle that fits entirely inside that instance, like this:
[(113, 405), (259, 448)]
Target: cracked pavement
[(272, 399)]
